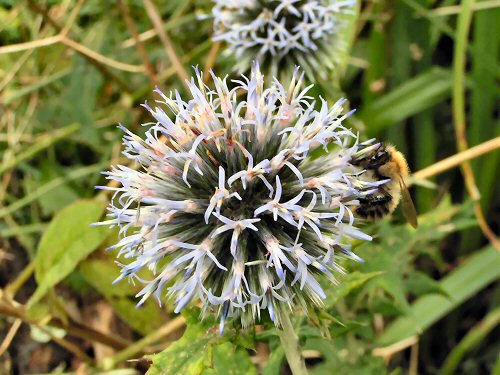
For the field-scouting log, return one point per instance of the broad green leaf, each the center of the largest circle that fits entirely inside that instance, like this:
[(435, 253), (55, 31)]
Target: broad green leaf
[(412, 97), (68, 239), (192, 353), (475, 274)]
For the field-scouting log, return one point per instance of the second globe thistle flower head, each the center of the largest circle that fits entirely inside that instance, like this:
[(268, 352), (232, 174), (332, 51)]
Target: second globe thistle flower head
[(283, 33), (228, 208)]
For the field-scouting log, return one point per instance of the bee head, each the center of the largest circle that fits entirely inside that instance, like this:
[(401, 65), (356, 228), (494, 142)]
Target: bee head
[(380, 157)]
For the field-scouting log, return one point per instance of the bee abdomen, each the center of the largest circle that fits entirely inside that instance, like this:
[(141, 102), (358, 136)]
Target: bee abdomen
[(374, 206)]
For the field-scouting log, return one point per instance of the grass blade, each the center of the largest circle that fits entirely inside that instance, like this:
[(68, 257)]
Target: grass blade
[(412, 97), (473, 338)]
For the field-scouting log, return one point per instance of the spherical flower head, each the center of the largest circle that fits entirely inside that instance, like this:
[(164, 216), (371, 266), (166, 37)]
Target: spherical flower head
[(283, 33), (227, 207)]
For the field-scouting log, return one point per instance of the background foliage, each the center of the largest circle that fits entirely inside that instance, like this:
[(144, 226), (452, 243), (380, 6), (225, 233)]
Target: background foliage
[(425, 300)]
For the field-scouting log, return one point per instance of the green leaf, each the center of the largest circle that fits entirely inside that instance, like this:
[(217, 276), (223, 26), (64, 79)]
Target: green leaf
[(68, 239), (475, 274), (358, 327), (410, 98), (58, 198), (192, 353), (81, 94), (419, 283), (391, 283), (337, 359), (348, 284), (231, 360), (244, 338), (202, 350), (100, 273)]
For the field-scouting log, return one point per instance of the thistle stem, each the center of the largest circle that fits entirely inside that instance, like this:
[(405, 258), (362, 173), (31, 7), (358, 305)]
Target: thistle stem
[(290, 343)]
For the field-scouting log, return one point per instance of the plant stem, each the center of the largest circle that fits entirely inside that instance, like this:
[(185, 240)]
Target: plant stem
[(14, 309), (457, 159), (290, 343), (155, 18)]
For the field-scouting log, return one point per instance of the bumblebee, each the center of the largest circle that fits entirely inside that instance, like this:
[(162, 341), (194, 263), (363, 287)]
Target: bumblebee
[(383, 162)]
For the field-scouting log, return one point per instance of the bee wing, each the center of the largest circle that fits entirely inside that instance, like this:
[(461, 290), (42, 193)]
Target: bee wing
[(408, 208)]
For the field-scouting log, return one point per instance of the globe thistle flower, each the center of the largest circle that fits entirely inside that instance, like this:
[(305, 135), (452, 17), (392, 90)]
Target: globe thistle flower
[(283, 33), (228, 208)]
